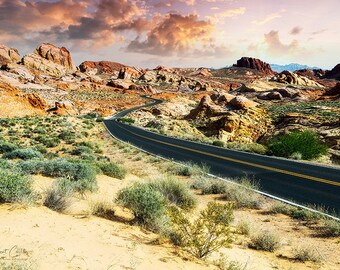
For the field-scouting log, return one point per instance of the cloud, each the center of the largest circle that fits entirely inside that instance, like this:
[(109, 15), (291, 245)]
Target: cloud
[(176, 34), (276, 48), (226, 14), (321, 31), (267, 19), (296, 30)]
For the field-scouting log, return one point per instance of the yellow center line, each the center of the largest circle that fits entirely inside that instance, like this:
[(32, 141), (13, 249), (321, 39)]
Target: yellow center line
[(317, 179)]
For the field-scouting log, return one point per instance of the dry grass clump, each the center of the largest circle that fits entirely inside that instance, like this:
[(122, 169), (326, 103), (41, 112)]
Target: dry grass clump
[(304, 254), (243, 196), (103, 209), (243, 227), (266, 241)]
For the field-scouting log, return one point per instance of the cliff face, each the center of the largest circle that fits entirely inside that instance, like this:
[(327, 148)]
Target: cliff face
[(254, 63)]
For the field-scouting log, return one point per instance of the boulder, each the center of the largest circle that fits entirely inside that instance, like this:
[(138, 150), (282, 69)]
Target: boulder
[(206, 108), (8, 55), (289, 77), (270, 96), (254, 63), (101, 67), (240, 102)]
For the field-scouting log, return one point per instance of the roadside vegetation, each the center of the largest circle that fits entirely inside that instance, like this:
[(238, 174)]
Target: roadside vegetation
[(179, 202)]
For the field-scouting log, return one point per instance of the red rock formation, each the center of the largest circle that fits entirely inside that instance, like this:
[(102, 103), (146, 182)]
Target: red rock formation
[(335, 91), (311, 74), (60, 56), (334, 73), (126, 73), (254, 63), (101, 67)]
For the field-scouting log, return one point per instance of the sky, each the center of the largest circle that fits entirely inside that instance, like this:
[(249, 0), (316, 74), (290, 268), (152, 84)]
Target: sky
[(178, 33)]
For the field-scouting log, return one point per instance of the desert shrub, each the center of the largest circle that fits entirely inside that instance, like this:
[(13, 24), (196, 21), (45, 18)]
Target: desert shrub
[(242, 196), (5, 164), (331, 228), (224, 264), (214, 187), (304, 254), (147, 204), (175, 191), (81, 150), (280, 208), (49, 142), (67, 135), (188, 169), (23, 154), (14, 187), (218, 143), (83, 175), (243, 227), (40, 148), (305, 142), (126, 120), (112, 169), (304, 214), (103, 209), (256, 148), (266, 241), (208, 233), (6, 147), (56, 200)]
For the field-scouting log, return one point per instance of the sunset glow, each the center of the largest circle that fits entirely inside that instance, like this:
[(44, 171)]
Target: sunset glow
[(210, 33)]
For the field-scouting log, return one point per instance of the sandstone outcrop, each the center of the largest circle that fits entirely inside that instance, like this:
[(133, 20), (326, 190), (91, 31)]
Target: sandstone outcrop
[(219, 116), (128, 73), (289, 77), (36, 101), (334, 73), (50, 60), (254, 63), (8, 55), (101, 67)]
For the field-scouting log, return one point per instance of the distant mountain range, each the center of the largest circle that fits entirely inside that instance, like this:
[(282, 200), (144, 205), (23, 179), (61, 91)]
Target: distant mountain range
[(291, 67)]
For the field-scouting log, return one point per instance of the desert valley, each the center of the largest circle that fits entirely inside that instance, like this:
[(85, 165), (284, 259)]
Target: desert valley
[(68, 189)]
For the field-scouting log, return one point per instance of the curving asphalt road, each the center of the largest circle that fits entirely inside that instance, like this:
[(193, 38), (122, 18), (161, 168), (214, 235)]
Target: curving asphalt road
[(302, 183)]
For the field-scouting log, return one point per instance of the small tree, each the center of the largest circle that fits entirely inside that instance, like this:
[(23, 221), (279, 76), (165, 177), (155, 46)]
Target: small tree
[(208, 233)]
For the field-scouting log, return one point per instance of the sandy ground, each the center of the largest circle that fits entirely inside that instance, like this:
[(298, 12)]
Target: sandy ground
[(77, 240)]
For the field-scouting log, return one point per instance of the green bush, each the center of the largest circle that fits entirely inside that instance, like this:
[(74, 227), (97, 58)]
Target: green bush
[(126, 120), (208, 233), (83, 175), (175, 191), (147, 204), (14, 187), (305, 142), (266, 241), (23, 154), (218, 143), (112, 169), (6, 147)]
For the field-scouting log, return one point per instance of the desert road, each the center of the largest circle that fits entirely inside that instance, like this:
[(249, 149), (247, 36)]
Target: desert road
[(302, 183)]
